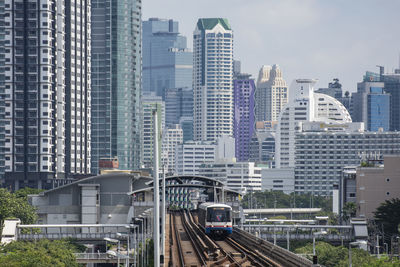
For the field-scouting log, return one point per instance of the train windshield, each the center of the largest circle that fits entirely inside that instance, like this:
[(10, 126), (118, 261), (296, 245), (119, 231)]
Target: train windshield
[(218, 215)]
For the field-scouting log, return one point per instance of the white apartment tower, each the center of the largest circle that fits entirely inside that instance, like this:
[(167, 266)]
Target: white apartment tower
[(304, 106), (271, 93), (47, 91), (172, 136), (212, 79)]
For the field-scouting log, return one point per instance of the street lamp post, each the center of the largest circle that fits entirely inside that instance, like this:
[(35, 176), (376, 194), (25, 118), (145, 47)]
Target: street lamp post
[(314, 235), (111, 240), (356, 243)]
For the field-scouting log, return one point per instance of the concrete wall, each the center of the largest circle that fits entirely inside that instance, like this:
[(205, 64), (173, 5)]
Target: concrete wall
[(377, 184)]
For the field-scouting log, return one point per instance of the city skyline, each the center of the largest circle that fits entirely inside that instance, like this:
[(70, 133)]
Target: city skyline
[(345, 51)]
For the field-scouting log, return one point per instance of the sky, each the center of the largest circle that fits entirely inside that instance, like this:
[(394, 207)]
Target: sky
[(321, 39)]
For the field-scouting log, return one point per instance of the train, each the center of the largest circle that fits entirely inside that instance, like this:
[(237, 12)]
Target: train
[(215, 218)]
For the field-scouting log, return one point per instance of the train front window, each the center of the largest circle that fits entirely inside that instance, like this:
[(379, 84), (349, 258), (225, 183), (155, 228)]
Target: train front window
[(218, 215)]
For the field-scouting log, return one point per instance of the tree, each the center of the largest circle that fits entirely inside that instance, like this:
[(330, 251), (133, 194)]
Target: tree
[(58, 253), (24, 192), (349, 210), (388, 214), (12, 206)]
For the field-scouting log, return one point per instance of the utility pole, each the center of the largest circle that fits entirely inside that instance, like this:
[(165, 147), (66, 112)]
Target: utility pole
[(156, 192), (163, 214)]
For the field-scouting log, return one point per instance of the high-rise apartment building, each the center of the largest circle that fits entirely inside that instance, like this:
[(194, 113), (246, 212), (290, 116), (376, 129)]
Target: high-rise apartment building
[(190, 155), (212, 79), (371, 104), (47, 89), (243, 122), (116, 82), (172, 136), (303, 105), (2, 90), (271, 94), (167, 62), (151, 103)]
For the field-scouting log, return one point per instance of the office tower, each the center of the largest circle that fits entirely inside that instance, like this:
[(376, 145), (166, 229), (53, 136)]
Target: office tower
[(392, 87), (186, 124), (304, 105), (167, 62), (178, 103), (171, 137), (334, 90), (262, 144), (47, 92), (236, 68), (243, 121), (151, 103), (371, 103), (116, 82), (271, 93), (212, 79), (322, 150)]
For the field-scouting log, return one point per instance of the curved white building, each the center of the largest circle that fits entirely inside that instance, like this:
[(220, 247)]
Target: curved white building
[(304, 106)]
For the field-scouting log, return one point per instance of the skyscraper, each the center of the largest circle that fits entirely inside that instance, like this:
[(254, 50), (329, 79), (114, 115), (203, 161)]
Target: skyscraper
[(167, 62), (2, 90), (371, 103), (212, 79), (243, 122), (271, 93), (116, 82), (178, 103), (47, 91)]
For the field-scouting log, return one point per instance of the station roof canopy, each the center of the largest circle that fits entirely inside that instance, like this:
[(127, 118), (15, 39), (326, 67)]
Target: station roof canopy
[(193, 181)]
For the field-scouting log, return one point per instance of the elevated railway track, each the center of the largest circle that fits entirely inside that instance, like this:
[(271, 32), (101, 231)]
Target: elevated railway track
[(189, 246)]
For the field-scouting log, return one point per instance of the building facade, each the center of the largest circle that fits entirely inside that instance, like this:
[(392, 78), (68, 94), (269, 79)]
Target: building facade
[(47, 91), (371, 104), (190, 155), (242, 177), (178, 104), (304, 105), (370, 186), (243, 112), (172, 136), (151, 103), (212, 79), (271, 94), (116, 82), (262, 144), (277, 180), (167, 62), (322, 154)]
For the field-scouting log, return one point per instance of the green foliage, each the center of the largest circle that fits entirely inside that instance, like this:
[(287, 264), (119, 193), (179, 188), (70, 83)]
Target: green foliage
[(349, 210), (267, 199), (331, 256), (24, 192), (388, 214), (12, 206), (42, 253)]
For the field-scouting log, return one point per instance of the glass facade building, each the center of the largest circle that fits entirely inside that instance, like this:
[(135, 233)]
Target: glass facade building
[(167, 62), (378, 109), (178, 104), (243, 122), (116, 82)]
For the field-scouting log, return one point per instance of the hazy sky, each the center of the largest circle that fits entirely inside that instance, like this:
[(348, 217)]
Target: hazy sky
[(321, 39)]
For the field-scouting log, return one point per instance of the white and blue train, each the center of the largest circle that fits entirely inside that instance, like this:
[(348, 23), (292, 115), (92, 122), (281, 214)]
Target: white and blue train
[(216, 218)]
